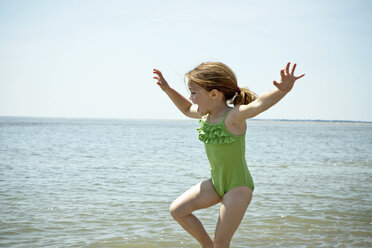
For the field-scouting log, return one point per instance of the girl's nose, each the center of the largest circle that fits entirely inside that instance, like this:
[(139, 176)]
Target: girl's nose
[(190, 98)]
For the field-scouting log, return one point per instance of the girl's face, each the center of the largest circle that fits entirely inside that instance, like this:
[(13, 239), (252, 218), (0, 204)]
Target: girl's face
[(201, 97)]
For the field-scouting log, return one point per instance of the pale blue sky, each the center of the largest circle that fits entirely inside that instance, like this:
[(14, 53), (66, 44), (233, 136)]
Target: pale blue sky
[(95, 58)]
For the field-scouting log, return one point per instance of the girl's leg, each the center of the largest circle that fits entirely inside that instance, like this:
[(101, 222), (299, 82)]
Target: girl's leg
[(202, 195), (233, 207)]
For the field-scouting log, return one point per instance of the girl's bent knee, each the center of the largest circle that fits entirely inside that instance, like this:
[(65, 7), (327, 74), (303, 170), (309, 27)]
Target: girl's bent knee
[(174, 210), (178, 211)]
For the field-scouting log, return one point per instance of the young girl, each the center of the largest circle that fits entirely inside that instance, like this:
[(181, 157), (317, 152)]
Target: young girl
[(222, 129)]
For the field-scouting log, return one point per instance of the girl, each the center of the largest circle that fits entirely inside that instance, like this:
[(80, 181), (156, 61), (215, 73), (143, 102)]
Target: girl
[(222, 129)]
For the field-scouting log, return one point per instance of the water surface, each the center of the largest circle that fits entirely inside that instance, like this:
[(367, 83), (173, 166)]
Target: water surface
[(109, 183)]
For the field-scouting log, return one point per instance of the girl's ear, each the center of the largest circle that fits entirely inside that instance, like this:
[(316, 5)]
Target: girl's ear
[(215, 93)]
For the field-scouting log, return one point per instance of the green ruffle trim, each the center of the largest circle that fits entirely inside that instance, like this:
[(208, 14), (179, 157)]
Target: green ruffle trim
[(214, 133)]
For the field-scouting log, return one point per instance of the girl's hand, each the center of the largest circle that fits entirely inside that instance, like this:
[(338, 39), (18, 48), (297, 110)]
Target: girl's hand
[(287, 79), (161, 81)]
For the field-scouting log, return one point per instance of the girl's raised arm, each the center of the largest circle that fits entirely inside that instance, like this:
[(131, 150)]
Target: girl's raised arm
[(184, 105), (267, 100)]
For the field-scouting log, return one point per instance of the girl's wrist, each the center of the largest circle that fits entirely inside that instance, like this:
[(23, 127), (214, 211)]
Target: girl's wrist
[(284, 92)]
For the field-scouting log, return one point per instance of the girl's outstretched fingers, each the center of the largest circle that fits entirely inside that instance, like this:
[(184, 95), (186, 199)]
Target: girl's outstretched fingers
[(157, 72), (158, 76), (293, 69), (292, 73), (299, 76), (287, 79), (160, 79), (287, 69)]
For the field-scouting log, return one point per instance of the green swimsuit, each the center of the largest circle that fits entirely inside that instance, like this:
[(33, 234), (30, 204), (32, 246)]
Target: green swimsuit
[(226, 155)]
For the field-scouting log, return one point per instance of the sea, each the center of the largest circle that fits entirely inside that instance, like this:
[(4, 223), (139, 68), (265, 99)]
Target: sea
[(110, 182)]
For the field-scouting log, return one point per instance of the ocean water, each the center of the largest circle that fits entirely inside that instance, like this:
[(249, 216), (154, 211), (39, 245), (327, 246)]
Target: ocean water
[(109, 183)]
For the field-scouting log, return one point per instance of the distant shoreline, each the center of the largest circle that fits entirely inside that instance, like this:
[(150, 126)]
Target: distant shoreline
[(312, 121), (18, 118)]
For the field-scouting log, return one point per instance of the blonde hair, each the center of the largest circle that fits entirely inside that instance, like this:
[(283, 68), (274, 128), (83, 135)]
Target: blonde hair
[(216, 75)]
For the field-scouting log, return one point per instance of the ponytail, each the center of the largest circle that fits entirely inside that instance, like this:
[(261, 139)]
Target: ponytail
[(244, 96)]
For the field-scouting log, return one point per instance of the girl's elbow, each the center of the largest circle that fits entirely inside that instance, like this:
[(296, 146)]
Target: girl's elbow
[(189, 113)]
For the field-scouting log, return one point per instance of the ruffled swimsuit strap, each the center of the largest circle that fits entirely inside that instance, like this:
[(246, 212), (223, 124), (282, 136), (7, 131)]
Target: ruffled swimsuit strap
[(224, 117), (204, 118)]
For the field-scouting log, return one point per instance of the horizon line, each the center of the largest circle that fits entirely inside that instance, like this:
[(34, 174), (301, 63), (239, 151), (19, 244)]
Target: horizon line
[(181, 119)]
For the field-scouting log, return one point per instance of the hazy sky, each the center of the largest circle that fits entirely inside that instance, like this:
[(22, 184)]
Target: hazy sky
[(95, 58)]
